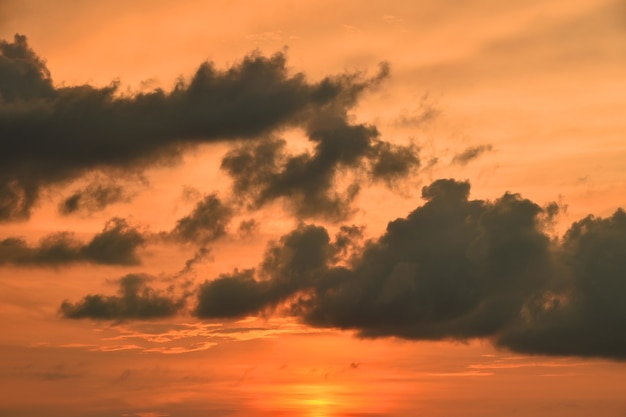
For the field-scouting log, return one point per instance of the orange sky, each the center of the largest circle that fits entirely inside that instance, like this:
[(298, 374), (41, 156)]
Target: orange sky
[(536, 89)]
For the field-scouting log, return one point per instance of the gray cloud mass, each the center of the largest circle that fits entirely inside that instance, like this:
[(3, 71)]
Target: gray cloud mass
[(116, 244), (206, 222), (134, 300), (51, 135), (454, 268)]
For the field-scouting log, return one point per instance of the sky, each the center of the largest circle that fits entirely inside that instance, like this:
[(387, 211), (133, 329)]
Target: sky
[(312, 208)]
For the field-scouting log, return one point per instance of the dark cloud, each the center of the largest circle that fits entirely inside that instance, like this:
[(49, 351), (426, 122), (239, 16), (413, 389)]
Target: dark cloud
[(394, 162), (289, 265), (198, 257), (454, 268), (348, 241), (233, 295), (207, 222), (117, 244), (584, 310), (53, 135), (134, 300), (293, 263), (264, 171), (23, 75), (248, 227), (94, 197), (470, 154)]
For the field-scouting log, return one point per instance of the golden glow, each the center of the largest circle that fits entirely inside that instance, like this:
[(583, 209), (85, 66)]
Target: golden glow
[(541, 81), (315, 400)]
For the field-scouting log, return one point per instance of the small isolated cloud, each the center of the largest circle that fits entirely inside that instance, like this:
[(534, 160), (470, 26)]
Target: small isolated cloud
[(94, 197), (207, 222), (425, 112), (470, 154)]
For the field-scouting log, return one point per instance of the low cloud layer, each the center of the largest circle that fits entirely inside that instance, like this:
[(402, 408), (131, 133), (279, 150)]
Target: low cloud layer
[(116, 244), (134, 300), (454, 268), (52, 135)]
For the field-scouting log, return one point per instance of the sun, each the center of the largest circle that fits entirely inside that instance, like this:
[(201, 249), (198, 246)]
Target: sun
[(320, 404), (308, 400), (317, 401)]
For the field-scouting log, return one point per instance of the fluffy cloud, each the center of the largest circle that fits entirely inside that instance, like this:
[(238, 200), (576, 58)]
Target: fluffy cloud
[(51, 135), (94, 197), (454, 268), (134, 300), (583, 312), (264, 171), (117, 244), (207, 221), (290, 265)]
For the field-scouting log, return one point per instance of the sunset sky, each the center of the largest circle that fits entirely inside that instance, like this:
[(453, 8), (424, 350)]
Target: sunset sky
[(312, 208)]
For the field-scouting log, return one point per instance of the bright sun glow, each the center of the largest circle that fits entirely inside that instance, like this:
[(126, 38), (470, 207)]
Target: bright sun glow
[(317, 401)]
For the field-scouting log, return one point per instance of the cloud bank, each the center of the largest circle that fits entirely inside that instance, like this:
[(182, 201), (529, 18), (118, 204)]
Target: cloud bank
[(51, 135), (454, 268), (117, 244)]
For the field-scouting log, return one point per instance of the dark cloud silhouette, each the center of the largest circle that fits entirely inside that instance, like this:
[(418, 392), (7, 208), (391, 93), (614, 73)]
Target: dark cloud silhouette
[(52, 135), (233, 295), (584, 310), (23, 75), (264, 171), (248, 227), (289, 265), (470, 154), (454, 268), (134, 300), (394, 162), (201, 254), (348, 241), (207, 221), (94, 197), (117, 244)]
